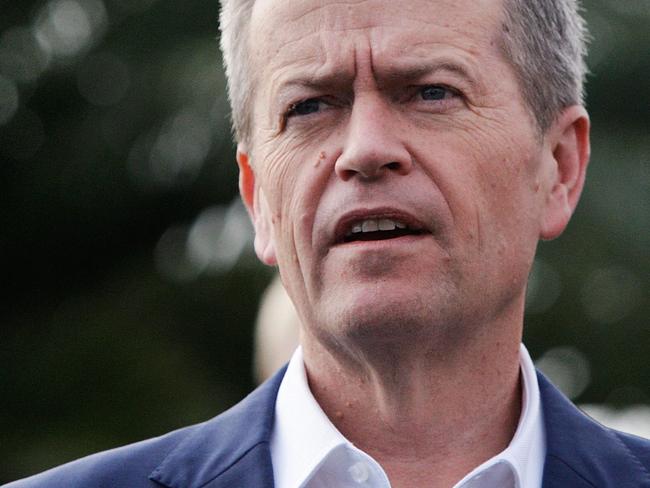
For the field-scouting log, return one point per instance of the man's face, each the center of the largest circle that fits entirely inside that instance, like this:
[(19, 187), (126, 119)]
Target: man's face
[(399, 178)]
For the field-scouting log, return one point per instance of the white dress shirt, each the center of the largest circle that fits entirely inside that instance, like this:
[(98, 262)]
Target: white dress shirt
[(309, 452)]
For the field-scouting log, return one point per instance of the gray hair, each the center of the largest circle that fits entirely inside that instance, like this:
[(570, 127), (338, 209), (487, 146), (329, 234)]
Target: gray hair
[(544, 40), (546, 43), (234, 24)]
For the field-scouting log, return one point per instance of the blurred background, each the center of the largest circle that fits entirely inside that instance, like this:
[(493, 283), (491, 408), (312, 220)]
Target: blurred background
[(131, 288)]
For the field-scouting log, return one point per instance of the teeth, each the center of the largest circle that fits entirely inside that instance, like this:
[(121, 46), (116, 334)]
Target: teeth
[(370, 226), (373, 225), (385, 224)]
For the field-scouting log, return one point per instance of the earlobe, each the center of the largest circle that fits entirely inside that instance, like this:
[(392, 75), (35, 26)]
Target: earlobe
[(568, 150), (258, 209)]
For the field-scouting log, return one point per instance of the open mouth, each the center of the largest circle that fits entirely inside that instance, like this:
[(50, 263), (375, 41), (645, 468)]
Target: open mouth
[(379, 230)]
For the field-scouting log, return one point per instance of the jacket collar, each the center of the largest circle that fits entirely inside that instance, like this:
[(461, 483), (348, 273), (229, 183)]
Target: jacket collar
[(229, 450), (232, 449), (581, 452)]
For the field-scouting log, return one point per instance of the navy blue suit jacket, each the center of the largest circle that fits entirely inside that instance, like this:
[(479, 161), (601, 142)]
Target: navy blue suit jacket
[(232, 451)]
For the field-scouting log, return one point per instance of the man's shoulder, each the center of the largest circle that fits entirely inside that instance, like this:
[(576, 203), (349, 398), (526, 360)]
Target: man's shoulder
[(637, 446), (128, 465), (581, 450), (598, 457), (190, 456)]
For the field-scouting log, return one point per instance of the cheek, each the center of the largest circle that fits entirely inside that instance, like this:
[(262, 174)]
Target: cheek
[(278, 176), (487, 175), (502, 162), (293, 176)]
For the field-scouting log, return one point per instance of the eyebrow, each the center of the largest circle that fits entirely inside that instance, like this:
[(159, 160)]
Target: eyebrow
[(413, 72), (391, 75), (331, 80)]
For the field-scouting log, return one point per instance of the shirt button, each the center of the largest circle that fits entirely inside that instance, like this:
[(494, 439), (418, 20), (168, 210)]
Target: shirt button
[(359, 472)]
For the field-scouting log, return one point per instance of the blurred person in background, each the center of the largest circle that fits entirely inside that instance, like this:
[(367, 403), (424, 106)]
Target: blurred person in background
[(400, 162), (276, 331)]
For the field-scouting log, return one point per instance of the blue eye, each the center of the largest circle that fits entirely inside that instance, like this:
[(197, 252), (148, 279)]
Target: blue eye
[(433, 92), (305, 107)]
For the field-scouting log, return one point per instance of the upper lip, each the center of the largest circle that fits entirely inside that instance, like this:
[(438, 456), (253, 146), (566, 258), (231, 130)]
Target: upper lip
[(345, 223)]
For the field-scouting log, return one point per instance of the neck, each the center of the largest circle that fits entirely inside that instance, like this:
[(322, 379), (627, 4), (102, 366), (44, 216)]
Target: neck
[(427, 415)]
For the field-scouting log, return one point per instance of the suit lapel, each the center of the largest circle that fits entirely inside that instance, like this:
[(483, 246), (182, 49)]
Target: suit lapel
[(231, 450), (558, 474), (579, 451), (254, 469)]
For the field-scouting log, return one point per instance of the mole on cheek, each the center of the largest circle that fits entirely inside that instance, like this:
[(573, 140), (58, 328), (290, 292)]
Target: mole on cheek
[(321, 156)]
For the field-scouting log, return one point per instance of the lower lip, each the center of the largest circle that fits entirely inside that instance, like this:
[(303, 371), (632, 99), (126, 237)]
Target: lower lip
[(383, 243)]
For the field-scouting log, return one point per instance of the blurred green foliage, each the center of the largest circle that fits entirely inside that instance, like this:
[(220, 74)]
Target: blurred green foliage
[(130, 283)]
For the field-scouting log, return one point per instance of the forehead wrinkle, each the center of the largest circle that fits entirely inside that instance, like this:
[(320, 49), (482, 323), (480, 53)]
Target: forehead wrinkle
[(285, 68), (332, 57), (332, 26), (322, 68), (402, 70), (309, 55), (330, 16), (282, 84), (324, 6), (326, 21), (286, 45), (307, 63), (322, 34)]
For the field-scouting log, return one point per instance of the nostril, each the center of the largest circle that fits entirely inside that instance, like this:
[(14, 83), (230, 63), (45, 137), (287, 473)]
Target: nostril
[(346, 174), (369, 170), (393, 166)]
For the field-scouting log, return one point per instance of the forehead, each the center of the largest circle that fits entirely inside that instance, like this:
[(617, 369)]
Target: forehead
[(318, 34)]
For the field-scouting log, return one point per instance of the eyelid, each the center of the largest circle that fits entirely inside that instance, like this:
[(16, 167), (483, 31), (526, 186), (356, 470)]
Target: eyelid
[(451, 89), (289, 111), (325, 101), (453, 96)]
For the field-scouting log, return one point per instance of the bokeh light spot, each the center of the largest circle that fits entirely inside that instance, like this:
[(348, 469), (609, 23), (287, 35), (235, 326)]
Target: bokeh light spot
[(67, 28), (568, 368), (610, 294), (544, 287), (173, 155), (180, 149), (171, 258), (218, 236), (211, 244)]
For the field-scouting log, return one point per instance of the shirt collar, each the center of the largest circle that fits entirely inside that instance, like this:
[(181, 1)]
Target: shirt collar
[(303, 438), (302, 435)]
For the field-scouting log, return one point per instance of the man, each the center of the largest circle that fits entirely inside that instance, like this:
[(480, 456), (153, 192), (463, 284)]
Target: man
[(400, 162)]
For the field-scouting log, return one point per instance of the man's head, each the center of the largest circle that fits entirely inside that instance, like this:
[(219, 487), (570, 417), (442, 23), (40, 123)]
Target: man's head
[(544, 40), (394, 162)]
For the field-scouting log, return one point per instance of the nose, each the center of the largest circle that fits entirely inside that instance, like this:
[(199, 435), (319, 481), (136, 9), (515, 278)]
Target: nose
[(372, 146)]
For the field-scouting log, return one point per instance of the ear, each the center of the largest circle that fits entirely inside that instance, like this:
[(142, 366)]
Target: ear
[(568, 152), (258, 209)]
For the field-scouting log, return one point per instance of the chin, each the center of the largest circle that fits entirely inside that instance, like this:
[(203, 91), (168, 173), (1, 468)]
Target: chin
[(372, 319)]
